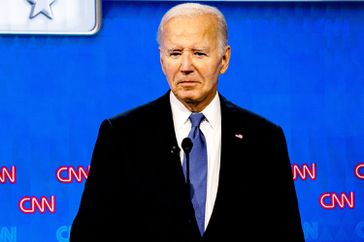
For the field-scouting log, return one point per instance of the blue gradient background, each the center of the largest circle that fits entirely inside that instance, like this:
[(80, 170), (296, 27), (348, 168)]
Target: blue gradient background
[(300, 64)]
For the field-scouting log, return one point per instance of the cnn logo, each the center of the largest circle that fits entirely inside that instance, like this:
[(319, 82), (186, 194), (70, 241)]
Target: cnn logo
[(68, 174), (331, 200), (32, 204)]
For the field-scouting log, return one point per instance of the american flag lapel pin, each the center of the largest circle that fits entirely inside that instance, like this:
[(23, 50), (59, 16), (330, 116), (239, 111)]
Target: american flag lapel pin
[(239, 136)]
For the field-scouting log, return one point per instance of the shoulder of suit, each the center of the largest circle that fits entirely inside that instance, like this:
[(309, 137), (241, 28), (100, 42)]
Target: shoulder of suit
[(245, 116), (142, 113)]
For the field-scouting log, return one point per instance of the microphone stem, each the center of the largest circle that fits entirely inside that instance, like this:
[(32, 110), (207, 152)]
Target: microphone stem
[(188, 174), (187, 146)]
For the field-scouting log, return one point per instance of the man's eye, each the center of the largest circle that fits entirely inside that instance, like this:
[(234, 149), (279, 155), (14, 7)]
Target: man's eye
[(174, 54), (198, 53)]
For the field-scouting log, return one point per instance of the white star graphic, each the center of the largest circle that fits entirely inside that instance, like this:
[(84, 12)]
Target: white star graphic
[(41, 6)]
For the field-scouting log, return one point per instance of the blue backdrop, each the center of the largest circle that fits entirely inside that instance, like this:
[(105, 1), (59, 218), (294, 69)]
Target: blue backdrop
[(300, 64)]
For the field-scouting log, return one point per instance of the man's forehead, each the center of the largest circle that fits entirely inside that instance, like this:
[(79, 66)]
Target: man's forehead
[(192, 32), (178, 29)]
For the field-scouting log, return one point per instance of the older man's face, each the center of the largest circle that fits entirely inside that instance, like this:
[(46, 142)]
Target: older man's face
[(192, 60)]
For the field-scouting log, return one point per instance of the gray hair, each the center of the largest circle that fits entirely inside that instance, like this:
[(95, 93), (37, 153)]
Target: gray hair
[(195, 9)]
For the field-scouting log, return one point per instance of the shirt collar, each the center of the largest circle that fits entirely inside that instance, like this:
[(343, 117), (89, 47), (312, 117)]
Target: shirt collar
[(181, 114)]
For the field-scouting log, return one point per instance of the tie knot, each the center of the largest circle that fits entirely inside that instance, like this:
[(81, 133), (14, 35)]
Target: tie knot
[(196, 119)]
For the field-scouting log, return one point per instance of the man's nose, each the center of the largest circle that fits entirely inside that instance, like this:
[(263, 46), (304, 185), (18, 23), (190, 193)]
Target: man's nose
[(186, 63)]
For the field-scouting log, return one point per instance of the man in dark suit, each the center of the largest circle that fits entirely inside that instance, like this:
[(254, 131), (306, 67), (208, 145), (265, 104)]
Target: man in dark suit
[(138, 188)]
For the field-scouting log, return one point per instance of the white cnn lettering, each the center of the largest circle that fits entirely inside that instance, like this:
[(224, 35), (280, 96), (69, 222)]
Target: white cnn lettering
[(29, 205), (69, 174), (333, 200), (8, 174)]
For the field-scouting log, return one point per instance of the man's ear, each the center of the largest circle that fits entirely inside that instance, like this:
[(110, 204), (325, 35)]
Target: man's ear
[(225, 60)]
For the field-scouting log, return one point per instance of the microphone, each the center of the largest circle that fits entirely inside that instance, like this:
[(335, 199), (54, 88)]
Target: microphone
[(187, 147)]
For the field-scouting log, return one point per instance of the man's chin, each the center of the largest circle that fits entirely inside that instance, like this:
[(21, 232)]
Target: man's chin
[(188, 97)]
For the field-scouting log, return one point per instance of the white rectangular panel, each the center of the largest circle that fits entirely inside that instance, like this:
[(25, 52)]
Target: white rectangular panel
[(50, 17)]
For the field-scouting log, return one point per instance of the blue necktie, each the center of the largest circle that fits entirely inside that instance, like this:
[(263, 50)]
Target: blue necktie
[(198, 169)]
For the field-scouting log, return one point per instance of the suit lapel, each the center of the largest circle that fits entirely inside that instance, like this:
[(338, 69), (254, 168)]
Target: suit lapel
[(166, 137), (232, 147)]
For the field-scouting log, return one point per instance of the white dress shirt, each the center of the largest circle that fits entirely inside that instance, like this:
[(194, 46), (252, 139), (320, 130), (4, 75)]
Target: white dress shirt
[(211, 128)]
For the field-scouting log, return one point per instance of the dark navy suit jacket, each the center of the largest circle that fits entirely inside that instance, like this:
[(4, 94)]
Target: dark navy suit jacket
[(136, 189)]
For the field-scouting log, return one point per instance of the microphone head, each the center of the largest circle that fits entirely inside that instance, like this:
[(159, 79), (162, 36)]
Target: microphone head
[(187, 145)]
